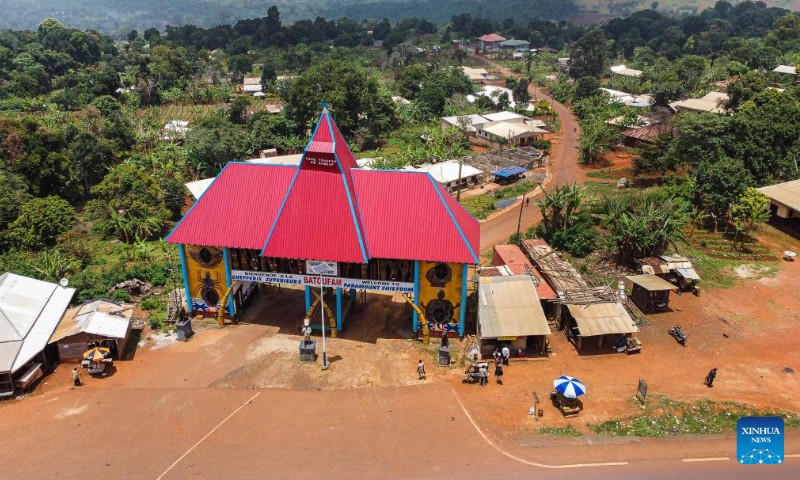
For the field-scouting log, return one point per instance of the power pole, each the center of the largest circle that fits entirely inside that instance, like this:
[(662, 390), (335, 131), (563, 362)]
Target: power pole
[(519, 221)]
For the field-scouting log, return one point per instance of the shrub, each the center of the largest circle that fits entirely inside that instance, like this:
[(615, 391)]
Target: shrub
[(40, 222)]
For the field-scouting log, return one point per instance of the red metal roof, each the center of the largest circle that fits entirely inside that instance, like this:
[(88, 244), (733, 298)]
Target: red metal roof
[(406, 217), (513, 257), (326, 209), (238, 208), (492, 37)]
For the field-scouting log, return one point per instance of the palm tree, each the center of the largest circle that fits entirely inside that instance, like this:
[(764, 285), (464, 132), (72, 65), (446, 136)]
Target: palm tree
[(56, 266)]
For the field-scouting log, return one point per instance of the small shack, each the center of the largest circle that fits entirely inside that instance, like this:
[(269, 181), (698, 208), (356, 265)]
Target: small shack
[(100, 321), (650, 293), (676, 269), (508, 175), (509, 311), (598, 320)]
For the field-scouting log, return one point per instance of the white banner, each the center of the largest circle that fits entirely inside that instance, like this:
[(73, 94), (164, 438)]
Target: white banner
[(318, 267), (322, 281)]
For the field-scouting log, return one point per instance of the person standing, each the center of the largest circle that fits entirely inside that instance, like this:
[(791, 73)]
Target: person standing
[(76, 377), (421, 370), (496, 354), (711, 376), (506, 354), (484, 372), (498, 371)]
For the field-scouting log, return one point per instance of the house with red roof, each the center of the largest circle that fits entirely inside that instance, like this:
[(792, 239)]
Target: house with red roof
[(326, 223), (490, 42)]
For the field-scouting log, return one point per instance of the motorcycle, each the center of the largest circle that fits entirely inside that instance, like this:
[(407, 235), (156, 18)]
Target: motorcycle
[(678, 334)]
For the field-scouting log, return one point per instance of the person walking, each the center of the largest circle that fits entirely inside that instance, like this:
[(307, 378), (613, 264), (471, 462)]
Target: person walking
[(484, 372), (506, 354), (421, 370), (76, 377), (710, 377)]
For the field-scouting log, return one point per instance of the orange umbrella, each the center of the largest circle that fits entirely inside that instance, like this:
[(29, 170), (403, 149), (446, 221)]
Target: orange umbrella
[(96, 354)]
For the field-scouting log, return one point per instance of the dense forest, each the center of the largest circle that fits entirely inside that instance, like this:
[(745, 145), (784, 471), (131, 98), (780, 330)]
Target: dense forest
[(116, 17)]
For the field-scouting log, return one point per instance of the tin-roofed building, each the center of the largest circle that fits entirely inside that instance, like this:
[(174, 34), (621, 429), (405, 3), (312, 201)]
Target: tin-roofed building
[(327, 223), (30, 311)]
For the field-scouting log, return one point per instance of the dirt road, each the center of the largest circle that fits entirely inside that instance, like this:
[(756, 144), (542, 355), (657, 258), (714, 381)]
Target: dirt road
[(564, 169)]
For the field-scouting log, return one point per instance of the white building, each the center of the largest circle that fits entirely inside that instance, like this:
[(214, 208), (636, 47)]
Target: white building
[(625, 71), (30, 311), (629, 98), (712, 102), (447, 173)]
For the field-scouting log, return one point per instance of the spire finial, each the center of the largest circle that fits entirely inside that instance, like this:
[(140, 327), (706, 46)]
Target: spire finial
[(324, 107)]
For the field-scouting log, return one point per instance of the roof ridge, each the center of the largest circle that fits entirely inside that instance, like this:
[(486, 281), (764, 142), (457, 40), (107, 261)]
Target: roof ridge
[(453, 219)]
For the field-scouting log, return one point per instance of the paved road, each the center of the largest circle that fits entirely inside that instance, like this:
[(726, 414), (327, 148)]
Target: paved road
[(406, 432), (564, 169)]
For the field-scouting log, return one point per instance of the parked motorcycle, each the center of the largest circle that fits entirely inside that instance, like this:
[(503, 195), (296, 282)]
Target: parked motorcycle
[(678, 334)]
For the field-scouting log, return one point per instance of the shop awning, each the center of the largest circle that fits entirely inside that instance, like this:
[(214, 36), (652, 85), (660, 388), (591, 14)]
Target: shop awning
[(509, 171), (688, 273), (510, 307), (602, 319)]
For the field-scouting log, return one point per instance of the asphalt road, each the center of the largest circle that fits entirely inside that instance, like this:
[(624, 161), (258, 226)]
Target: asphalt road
[(407, 432), (564, 169)]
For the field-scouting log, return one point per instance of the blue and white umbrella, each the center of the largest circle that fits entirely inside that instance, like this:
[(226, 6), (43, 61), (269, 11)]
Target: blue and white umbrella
[(568, 386)]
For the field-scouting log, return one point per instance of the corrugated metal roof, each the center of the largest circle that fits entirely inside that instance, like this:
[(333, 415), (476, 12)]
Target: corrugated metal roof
[(99, 317), (316, 221), (30, 310), (449, 171), (787, 193), (514, 258), (238, 208), (492, 37), (326, 211), (509, 171), (510, 307), (651, 283), (602, 319), (405, 218)]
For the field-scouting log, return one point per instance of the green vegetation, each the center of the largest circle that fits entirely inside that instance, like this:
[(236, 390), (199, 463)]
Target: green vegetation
[(568, 431), (670, 417), (481, 206)]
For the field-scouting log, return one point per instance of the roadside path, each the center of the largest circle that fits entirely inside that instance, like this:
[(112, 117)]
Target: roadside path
[(564, 169)]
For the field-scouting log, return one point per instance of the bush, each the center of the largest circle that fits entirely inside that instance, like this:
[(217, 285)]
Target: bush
[(156, 274), (121, 296), (151, 304), (40, 222)]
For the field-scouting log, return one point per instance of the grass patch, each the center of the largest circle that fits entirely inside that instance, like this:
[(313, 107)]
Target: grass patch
[(670, 417), (612, 174), (482, 206), (568, 431)]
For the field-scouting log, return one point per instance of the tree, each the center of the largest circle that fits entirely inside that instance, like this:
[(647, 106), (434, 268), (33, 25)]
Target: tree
[(503, 102), (40, 222), (240, 66), (719, 185), (746, 88), (596, 138), (133, 35), (13, 194), (127, 194), (586, 87), (408, 80), (588, 55), (238, 109), (269, 73), (565, 220), (355, 98), (432, 97), (643, 226), (520, 91), (749, 211), (214, 141)]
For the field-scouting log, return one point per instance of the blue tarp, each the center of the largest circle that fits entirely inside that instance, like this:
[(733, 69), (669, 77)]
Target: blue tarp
[(509, 171)]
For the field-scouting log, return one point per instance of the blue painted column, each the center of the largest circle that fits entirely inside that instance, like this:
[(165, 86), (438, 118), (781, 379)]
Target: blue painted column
[(463, 299), (231, 305), (339, 309), (308, 298), (353, 294), (182, 252), (416, 294)]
